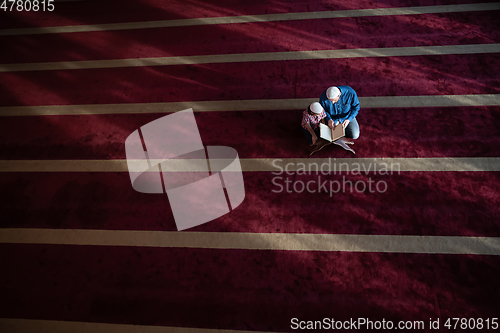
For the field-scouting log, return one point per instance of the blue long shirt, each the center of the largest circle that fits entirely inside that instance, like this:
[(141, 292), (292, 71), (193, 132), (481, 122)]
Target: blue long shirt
[(347, 107)]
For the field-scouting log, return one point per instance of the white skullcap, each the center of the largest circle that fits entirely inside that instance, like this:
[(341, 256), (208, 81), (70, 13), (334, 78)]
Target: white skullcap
[(316, 107), (332, 92)]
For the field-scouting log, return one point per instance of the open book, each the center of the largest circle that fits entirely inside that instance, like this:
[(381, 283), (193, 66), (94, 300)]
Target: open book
[(329, 134)]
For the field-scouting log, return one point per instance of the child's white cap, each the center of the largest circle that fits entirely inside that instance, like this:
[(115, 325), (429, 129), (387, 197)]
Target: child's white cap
[(332, 92), (316, 108)]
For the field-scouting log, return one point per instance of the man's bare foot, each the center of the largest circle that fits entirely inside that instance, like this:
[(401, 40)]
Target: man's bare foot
[(344, 144), (347, 141)]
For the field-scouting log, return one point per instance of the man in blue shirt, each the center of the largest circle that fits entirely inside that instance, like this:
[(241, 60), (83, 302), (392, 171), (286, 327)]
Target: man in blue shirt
[(341, 105)]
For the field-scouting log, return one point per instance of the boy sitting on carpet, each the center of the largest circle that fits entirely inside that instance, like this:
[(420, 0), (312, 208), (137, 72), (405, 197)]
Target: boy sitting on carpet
[(311, 117)]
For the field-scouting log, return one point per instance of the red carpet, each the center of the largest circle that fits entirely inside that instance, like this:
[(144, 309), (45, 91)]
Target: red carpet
[(347, 33), (424, 75), (450, 132), (151, 10), (415, 203), (260, 290), (252, 290)]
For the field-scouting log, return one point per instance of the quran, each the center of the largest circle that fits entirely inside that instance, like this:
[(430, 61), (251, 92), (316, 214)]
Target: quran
[(331, 135)]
